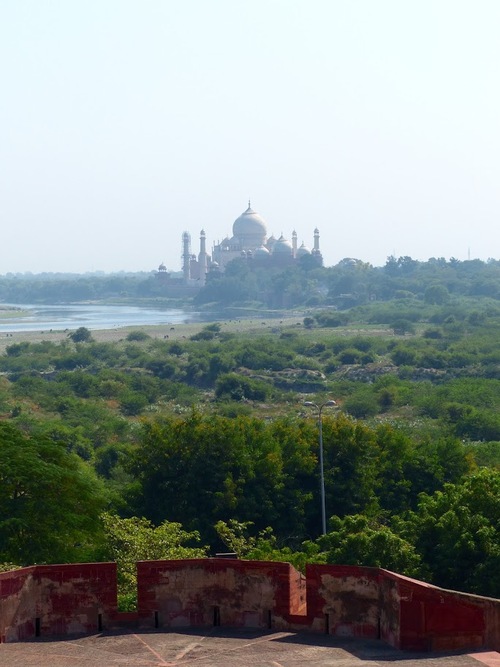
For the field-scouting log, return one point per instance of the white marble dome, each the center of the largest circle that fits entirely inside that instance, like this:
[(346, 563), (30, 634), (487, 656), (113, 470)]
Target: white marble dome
[(250, 229), (261, 251), (282, 247), (303, 250)]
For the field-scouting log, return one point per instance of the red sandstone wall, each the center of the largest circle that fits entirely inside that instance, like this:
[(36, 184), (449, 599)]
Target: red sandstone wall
[(390, 610), (406, 613), (47, 600), (298, 593), (435, 619), (492, 622), (343, 600), (17, 611), (206, 592)]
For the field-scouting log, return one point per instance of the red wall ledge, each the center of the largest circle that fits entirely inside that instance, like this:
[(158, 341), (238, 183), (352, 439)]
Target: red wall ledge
[(51, 600), (406, 613), (340, 600)]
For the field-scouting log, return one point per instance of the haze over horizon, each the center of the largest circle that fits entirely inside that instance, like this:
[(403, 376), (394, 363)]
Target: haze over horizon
[(124, 124)]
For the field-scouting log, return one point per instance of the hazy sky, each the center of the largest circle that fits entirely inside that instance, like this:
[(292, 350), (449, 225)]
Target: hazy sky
[(125, 122)]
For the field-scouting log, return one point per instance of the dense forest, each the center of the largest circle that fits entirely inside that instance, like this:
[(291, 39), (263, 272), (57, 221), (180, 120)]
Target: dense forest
[(150, 447)]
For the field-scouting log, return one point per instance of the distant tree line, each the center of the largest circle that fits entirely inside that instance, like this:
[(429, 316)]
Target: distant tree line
[(64, 288), (349, 283)]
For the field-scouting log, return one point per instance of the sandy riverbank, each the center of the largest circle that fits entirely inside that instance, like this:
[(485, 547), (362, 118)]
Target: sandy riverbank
[(167, 331)]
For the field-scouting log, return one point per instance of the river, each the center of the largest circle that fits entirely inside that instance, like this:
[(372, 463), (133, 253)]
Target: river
[(38, 318)]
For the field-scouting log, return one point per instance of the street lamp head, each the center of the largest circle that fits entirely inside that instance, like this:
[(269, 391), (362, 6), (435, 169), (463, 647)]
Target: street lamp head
[(327, 404)]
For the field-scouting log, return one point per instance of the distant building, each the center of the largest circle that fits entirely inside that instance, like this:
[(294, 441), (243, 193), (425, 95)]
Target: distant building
[(249, 241)]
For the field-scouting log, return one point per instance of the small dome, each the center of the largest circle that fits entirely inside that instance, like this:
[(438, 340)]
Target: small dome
[(250, 228), (261, 251), (282, 246), (270, 242), (303, 250), (162, 267)]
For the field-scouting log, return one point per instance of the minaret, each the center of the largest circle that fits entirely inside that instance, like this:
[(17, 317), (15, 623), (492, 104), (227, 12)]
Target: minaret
[(186, 256), (294, 244), (316, 241), (202, 257), (316, 251)]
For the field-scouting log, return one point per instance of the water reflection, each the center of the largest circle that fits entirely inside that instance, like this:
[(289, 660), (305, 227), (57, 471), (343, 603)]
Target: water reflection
[(38, 317)]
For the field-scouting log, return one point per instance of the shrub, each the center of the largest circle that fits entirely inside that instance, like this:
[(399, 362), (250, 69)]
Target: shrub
[(132, 403), (138, 336), (403, 356), (350, 356), (433, 333), (361, 405), (80, 335), (402, 327), (237, 388)]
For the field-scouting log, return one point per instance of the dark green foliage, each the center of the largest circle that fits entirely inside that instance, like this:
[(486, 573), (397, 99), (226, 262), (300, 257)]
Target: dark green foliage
[(127, 541), (204, 470), (457, 533), (351, 283), (362, 404), (331, 319), (265, 354), (201, 470), (70, 288), (208, 332), (17, 349), (234, 409), (402, 327), (132, 403), (350, 356), (432, 333), (80, 335), (237, 388), (359, 540), (138, 336), (110, 457), (437, 294), (486, 454), (162, 368), (49, 500)]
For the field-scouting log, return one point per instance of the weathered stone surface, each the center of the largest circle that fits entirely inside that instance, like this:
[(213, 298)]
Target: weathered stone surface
[(221, 648), (45, 600)]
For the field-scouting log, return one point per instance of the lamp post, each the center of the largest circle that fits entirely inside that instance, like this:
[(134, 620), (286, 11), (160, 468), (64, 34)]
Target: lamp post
[(319, 408)]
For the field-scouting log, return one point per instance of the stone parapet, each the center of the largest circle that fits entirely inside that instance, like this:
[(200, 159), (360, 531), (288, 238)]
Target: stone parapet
[(341, 600)]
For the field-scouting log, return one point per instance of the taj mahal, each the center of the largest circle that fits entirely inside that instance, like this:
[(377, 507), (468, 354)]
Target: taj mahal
[(250, 242)]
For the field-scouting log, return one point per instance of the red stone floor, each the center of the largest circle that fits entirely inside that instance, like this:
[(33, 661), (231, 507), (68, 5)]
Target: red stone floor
[(219, 648)]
